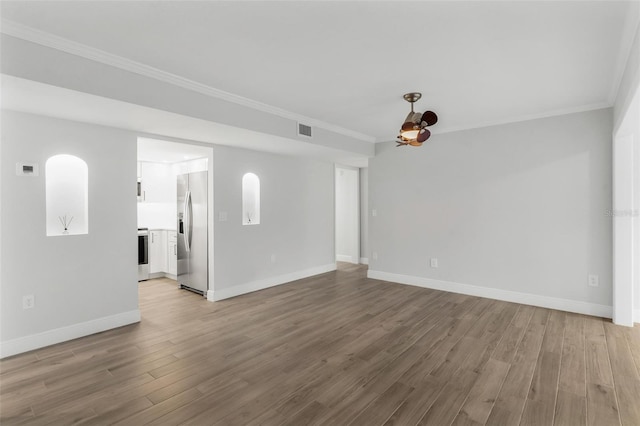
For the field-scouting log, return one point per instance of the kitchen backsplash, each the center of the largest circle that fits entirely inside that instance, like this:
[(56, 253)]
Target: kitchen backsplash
[(157, 215)]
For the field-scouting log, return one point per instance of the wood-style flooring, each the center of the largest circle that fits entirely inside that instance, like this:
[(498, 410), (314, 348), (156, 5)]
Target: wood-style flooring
[(335, 349)]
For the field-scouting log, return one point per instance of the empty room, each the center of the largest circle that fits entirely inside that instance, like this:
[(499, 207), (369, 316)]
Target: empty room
[(320, 213)]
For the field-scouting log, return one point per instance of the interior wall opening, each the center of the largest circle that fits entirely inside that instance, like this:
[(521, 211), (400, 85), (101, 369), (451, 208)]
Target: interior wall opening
[(175, 211), (347, 206), (626, 217)]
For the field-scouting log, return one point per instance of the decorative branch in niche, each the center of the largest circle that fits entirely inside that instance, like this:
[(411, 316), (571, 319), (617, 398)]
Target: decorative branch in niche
[(65, 223), (67, 195), (250, 199)]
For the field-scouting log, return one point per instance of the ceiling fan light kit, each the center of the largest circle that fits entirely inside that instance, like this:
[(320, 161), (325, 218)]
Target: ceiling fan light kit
[(414, 130)]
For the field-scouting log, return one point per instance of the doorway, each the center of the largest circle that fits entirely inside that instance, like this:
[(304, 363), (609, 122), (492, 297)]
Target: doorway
[(626, 217), (161, 212), (347, 201)]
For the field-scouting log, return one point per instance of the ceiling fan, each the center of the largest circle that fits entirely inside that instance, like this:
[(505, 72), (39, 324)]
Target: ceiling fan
[(414, 130)]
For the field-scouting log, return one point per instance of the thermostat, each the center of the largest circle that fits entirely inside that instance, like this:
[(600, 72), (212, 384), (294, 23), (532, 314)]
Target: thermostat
[(27, 169)]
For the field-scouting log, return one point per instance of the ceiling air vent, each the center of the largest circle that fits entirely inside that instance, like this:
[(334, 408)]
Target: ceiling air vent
[(304, 130)]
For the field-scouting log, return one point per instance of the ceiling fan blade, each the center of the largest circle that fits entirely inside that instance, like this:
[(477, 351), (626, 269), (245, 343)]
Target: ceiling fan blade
[(430, 118), (423, 135), (408, 125)]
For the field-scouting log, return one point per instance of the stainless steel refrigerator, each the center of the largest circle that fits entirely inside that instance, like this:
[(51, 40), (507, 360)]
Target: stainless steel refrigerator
[(193, 247)]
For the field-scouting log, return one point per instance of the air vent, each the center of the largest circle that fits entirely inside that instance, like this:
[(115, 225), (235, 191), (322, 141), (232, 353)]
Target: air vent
[(304, 130)]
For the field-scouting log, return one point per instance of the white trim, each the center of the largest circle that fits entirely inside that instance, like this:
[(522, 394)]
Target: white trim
[(226, 293), (344, 258), (155, 275), (354, 257), (70, 332), (498, 294), (364, 260), (49, 40), (528, 117), (623, 256), (636, 316)]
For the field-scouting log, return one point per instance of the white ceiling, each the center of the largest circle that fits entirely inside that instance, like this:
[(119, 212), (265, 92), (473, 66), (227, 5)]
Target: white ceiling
[(348, 63)]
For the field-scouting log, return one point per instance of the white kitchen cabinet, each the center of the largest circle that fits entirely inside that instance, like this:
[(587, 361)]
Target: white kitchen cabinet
[(172, 253), (158, 183), (157, 251)]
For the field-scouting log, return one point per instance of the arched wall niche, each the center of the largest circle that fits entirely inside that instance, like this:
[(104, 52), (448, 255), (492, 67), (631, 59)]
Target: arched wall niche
[(67, 187), (250, 199)]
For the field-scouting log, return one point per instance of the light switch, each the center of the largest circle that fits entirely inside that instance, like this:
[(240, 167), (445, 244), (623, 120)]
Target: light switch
[(222, 216)]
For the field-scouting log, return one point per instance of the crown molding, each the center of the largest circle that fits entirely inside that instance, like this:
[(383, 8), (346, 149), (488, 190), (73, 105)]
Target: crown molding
[(528, 117), (43, 38), (519, 119)]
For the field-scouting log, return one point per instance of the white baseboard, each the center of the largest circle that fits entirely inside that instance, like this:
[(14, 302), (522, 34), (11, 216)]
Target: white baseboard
[(162, 275), (226, 293), (70, 332), (576, 306), (636, 316), (364, 260), (344, 258)]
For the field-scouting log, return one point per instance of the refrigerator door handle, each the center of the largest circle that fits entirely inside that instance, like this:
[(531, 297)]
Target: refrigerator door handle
[(187, 220), (190, 221)]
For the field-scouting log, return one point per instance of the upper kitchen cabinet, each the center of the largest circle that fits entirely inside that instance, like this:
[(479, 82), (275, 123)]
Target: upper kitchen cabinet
[(157, 183)]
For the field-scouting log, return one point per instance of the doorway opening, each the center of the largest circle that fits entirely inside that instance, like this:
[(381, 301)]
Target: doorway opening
[(626, 217), (175, 214), (347, 205)]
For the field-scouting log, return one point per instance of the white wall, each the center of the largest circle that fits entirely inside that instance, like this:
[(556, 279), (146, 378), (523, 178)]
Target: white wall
[(518, 208), (636, 255), (626, 250), (82, 283), (296, 221), (627, 122), (347, 215), (364, 214), (631, 76)]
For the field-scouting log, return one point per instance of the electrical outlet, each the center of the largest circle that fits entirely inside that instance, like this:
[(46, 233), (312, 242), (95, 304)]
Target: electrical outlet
[(28, 301), (374, 255), (374, 212), (273, 258), (593, 280), (434, 262), (222, 216)]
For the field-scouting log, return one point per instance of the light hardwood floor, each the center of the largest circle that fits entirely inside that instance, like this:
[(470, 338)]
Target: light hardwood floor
[(335, 349)]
